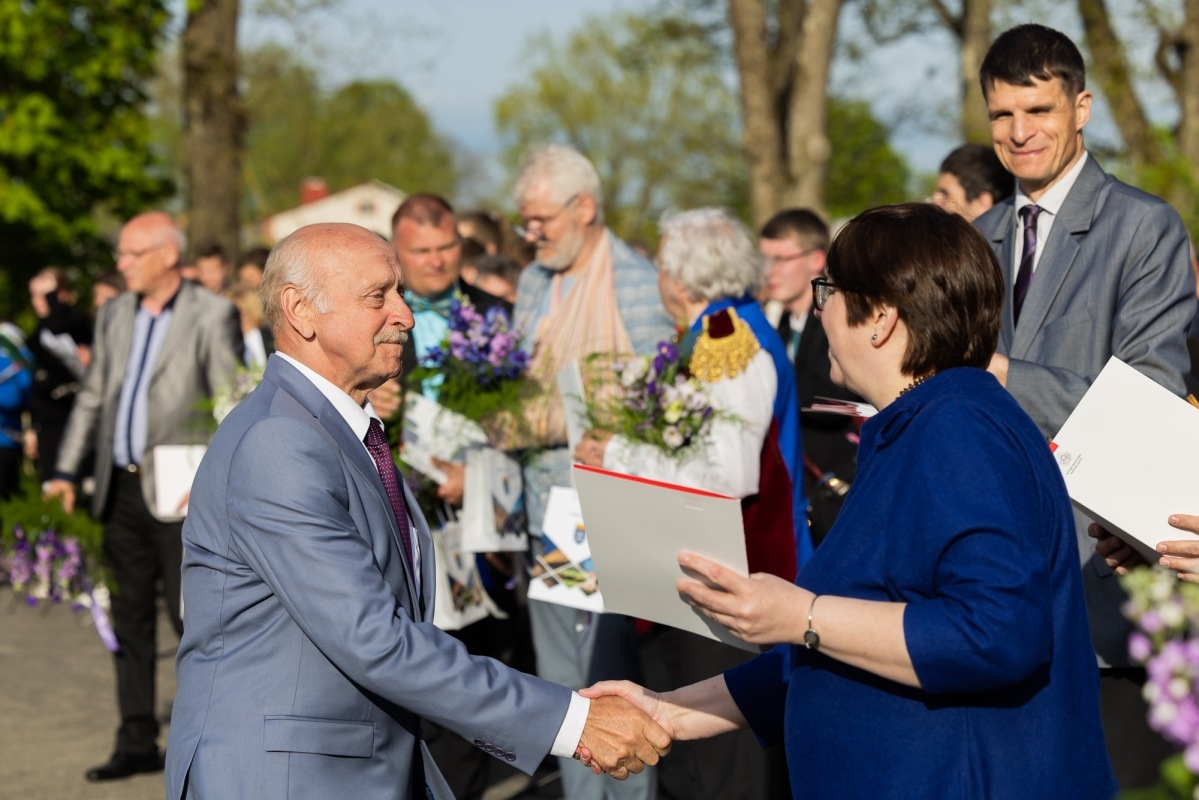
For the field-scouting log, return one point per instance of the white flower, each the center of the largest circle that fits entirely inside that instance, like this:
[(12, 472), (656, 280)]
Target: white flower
[(634, 371), (674, 412), (672, 437)]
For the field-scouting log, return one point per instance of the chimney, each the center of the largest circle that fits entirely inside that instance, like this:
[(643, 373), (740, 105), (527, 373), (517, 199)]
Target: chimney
[(313, 189)]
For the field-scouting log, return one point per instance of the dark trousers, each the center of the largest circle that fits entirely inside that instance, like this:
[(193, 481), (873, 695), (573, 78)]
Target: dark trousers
[(143, 555), (1136, 750), (10, 470), (725, 767)]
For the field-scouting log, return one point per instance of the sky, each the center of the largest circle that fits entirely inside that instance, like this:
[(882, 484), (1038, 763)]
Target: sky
[(458, 56)]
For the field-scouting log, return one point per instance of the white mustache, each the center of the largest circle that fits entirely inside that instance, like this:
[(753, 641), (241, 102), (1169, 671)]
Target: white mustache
[(391, 336)]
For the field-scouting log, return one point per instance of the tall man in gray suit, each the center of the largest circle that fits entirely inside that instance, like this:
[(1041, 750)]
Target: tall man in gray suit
[(1096, 269), (310, 657), (159, 349)]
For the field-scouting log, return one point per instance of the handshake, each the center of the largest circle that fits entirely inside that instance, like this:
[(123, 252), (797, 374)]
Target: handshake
[(626, 730)]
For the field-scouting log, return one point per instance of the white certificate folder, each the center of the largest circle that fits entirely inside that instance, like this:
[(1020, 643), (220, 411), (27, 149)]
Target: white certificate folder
[(1127, 454), (638, 527)]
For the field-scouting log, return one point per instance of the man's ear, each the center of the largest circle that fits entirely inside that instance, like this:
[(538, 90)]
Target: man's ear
[(587, 209), (297, 310)]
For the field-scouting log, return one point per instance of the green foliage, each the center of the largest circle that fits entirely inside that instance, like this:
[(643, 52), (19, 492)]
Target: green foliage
[(655, 115), (36, 515), (73, 137), (357, 132), (864, 170), (1173, 179)]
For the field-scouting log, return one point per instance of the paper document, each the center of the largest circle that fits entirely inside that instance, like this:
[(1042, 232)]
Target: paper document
[(638, 527), (574, 403), (849, 408), (175, 468), (1127, 455)]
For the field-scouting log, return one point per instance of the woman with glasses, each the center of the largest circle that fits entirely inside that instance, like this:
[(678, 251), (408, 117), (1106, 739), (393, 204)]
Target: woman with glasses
[(936, 645)]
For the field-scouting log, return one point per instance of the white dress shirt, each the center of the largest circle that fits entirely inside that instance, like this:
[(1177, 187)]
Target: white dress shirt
[(1050, 204)]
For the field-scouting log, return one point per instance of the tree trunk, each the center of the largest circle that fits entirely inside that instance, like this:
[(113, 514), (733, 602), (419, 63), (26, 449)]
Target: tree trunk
[(975, 38), (761, 136), (213, 124), (1188, 126), (808, 146), (1110, 69)]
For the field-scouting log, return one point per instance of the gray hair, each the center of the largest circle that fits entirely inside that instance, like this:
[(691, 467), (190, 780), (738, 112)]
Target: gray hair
[(568, 172), (289, 264), (711, 253)]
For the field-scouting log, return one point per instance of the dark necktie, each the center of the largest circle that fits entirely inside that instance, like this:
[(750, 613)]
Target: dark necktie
[(376, 443), (1028, 215)]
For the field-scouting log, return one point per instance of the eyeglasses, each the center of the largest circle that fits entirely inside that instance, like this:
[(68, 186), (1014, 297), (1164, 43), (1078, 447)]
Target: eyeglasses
[(117, 255), (772, 261), (822, 290), (533, 225)]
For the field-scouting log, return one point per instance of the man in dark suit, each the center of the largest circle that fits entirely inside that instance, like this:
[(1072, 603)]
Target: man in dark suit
[(310, 661), (794, 242), (1096, 269), (159, 350)]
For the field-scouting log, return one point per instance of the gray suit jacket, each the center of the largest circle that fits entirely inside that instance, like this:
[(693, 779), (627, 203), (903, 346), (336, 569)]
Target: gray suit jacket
[(200, 353), (308, 659), (1113, 279)]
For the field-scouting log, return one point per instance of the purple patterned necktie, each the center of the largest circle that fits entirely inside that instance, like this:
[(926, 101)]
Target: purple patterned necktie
[(376, 443), (1028, 215)]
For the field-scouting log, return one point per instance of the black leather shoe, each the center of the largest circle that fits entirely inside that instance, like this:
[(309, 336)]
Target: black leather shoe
[(122, 765)]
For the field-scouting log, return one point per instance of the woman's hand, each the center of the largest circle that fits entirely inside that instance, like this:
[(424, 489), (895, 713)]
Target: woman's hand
[(1182, 555), (759, 609), (590, 450)]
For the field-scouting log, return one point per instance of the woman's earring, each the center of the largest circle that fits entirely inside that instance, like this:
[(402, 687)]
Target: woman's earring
[(874, 338)]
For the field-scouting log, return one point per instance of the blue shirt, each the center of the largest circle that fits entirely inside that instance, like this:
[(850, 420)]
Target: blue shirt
[(149, 332)]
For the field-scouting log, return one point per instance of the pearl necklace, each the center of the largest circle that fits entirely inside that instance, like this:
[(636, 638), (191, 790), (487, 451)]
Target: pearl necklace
[(914, 384)]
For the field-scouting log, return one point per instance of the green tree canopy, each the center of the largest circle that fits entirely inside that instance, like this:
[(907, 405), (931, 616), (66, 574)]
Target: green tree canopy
[(357, 132), (864, 170), (655, 116), (73, 135)]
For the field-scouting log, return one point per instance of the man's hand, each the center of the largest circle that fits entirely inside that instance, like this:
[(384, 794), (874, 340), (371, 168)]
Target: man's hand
[(61, 489), (620, 739), (998, 368), (454, 488), (591, 449), (1119, 556), (1182, 555), (759, 609)]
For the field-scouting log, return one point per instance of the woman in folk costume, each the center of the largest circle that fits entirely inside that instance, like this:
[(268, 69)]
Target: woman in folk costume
[(709, 272)]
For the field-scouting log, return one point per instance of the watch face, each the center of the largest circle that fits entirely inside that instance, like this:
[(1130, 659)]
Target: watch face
[(811, 639)]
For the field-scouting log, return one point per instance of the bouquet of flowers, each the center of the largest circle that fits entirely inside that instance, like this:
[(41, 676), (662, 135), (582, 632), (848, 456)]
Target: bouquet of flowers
[(48, 555), (481, 365), (1166, 642), (658, 403)]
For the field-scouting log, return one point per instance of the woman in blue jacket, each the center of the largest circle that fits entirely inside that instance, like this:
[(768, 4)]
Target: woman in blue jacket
[(936, 644)]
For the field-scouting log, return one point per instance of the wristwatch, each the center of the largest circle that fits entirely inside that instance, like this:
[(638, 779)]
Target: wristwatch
[(811, 639)]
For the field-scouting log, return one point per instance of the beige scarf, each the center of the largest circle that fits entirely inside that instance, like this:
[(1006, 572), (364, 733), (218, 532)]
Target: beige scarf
[(585, 322)]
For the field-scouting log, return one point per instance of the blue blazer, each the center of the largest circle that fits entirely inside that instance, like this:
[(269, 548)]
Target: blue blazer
[(308, 658)]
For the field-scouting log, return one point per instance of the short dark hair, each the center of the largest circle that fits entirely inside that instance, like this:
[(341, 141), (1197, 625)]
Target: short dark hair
[(979, 170), (424, 209), (500, 266), (804, 225), (938, 272), (211, 250), (256, 256), (472, 251), (487, 228), (1030, 51)]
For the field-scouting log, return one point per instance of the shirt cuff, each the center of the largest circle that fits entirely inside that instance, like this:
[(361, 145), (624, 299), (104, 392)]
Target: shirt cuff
[(571, 731)]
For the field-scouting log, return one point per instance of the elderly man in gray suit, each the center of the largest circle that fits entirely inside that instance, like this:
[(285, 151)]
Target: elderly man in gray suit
[(309, 657), (159, 350), (1096, 269)]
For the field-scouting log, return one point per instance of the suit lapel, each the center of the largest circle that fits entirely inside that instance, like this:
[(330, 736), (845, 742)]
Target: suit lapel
[(1002, 241), (313, 401), (1057, 259)]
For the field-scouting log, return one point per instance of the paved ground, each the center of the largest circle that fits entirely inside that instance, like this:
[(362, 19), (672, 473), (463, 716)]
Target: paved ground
[(58, 710)]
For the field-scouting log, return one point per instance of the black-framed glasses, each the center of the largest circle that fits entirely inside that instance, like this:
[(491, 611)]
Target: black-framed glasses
[(822, 290), (532, 225)]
